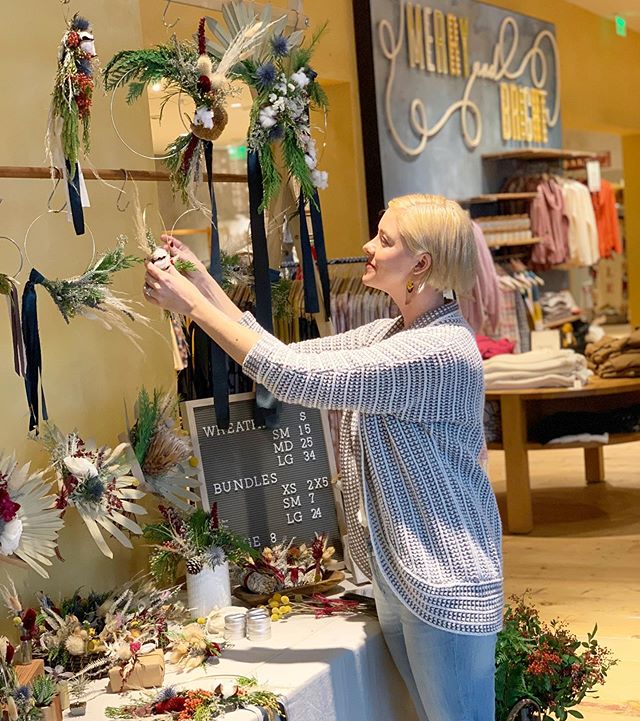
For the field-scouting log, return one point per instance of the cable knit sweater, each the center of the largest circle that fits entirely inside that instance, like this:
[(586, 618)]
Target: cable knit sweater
[(411, 438)]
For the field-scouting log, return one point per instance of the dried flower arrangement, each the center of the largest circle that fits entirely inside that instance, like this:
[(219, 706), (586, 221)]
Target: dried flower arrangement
[(200, 704), (163, 453), (190, 646), (97, 483), (29, 520), (287, 565), (198, 539)]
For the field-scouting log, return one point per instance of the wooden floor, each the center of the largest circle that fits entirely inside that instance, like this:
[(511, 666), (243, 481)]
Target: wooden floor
[(582, 560)]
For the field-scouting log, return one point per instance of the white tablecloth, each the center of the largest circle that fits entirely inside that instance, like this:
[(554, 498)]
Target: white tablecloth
[(327, 669)]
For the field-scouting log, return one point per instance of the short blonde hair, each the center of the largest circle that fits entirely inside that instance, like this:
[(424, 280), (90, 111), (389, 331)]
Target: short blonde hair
[(437, 226)]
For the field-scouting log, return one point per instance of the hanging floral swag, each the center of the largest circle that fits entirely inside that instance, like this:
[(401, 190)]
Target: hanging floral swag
[(70, 113), (97, 482), (185, 67)]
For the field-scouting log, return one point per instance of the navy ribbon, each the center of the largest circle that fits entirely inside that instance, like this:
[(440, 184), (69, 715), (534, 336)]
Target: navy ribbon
[(31, 336), (311, 304), (219, 360), (321, 252), (75, 198), (267, 411)]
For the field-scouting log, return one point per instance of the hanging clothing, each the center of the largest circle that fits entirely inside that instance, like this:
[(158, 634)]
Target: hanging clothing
[(549, 222), (606, 215), (482, 308), (584, 249)]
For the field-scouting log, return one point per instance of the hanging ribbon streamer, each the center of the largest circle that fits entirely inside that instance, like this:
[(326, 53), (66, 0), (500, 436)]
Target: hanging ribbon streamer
[(75, 196), (268, 408), (11, 294), (311, 304), (321, 252), (31, 336), (219, 360)]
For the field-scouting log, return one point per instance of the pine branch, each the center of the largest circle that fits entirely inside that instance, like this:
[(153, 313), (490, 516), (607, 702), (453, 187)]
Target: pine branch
[(295, 162)]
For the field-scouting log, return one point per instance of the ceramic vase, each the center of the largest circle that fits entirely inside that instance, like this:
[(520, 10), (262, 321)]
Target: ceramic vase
[(209, 589)]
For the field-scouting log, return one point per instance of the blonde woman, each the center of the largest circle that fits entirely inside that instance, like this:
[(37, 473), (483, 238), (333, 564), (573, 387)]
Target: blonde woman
[(422, 517)]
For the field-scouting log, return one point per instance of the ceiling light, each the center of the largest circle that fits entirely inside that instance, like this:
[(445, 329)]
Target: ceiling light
[(236, 105)]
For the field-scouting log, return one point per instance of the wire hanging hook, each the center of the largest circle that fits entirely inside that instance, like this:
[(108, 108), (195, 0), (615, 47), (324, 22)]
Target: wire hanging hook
[(121, 192), (50, 198), (167, 25)]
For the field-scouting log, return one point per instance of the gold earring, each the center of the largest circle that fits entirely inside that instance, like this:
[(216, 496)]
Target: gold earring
[(410, 286)]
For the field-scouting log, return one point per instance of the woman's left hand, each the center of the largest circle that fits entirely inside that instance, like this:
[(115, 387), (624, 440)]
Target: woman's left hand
[(170, 290)]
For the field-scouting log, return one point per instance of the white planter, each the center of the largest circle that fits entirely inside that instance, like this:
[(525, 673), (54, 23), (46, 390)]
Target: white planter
[(208, 590)]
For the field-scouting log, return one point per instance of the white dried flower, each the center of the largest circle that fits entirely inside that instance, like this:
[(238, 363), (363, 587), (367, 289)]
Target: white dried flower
[(301, 79)]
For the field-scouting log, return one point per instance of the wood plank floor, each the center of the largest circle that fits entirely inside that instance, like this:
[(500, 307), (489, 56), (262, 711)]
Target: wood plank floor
[(582, 560)]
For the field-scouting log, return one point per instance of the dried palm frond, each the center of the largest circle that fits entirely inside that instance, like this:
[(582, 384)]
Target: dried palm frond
[(37, 518)]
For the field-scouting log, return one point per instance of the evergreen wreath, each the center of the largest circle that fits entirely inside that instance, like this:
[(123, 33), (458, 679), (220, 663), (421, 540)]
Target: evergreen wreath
[(185, 67)]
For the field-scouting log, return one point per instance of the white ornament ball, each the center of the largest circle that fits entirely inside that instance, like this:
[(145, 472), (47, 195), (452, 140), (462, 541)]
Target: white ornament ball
[(161, 259)]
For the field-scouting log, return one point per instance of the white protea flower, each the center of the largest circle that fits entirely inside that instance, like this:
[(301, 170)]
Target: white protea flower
[(97, 482), (31, 535)]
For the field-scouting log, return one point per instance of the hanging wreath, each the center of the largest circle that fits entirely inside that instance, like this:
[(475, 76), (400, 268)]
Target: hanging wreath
[(185, 67), (29, 519), (97, 482), (285, 89), (90, 295)]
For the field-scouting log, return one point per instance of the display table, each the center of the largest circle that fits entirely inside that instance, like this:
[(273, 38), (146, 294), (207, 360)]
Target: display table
[(328, 669), (522, 409)]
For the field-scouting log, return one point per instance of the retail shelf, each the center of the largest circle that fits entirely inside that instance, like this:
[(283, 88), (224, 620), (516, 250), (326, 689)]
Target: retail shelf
[(497, 198), (561, 321), (614, 439), (540, 154), (514, 243)]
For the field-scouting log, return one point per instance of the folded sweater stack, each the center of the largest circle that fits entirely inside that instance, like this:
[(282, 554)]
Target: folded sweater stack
[(536, 369), (615, 357)]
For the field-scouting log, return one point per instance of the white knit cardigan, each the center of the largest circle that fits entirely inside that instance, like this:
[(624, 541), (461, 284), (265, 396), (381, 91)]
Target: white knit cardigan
[(411, 439)]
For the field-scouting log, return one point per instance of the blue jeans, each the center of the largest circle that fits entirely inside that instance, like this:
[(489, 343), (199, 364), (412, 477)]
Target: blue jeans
[(450, 676)]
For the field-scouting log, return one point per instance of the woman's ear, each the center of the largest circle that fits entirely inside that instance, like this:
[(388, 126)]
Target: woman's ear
[(423, 264)]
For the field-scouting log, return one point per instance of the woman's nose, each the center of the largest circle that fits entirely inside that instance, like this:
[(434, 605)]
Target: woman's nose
[(368, 247)]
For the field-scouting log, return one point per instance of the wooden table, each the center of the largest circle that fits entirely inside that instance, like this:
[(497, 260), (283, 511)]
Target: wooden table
[(524, 408)]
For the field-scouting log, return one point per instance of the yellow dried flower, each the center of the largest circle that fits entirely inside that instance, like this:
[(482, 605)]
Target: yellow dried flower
[(17, 621), (284, 599), (193, 462), (201, 621)]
